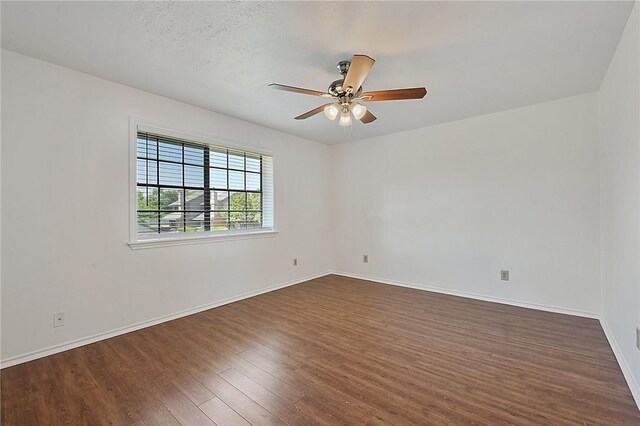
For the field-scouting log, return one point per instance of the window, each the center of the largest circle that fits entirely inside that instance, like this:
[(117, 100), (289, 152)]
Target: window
[(188, 189)]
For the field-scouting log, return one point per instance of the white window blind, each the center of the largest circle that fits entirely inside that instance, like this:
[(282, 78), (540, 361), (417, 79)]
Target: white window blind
[(188, 188)]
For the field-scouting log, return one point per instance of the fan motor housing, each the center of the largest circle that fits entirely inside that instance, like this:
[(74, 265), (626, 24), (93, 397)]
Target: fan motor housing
[(335, 89)]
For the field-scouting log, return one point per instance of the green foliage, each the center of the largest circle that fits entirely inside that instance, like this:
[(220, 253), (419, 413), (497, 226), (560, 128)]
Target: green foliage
[(244, 201), (239, 203), (149, 201)]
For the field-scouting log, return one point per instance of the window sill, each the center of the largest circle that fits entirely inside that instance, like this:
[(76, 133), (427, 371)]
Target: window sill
[(231, 236)]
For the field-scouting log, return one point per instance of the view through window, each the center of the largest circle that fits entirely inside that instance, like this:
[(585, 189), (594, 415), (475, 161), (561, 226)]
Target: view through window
[(185, 187)]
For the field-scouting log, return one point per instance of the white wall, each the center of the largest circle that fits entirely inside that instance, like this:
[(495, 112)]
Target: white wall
[(449, 206), (619, 113), (65, 211)]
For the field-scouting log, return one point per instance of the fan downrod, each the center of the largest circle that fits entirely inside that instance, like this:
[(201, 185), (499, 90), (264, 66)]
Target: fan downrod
[(343, 67)]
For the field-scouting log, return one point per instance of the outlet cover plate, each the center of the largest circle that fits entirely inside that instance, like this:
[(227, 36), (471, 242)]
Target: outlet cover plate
[(504, 275), (58, 319)]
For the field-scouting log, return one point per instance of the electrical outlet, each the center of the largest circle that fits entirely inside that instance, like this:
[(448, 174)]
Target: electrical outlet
[(365, 258), (295, 261), (504, 275), (58, 319), (638, 337)]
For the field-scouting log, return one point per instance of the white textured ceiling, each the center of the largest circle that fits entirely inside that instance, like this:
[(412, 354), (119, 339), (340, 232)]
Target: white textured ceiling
[(474, 57)]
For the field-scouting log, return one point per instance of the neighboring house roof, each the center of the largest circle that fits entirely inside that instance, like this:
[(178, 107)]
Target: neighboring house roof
[(221, 195), (200, 217), (173, 216), (190, 198)]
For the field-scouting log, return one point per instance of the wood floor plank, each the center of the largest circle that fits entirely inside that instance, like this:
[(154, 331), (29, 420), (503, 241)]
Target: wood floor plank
[(144, 384), (222, 414), (332, 351), (183, 409), (285, 391), (242, 404), (269, 401)]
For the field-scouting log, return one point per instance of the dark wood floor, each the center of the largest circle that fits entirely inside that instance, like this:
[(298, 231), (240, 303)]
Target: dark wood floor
[(334, 351)]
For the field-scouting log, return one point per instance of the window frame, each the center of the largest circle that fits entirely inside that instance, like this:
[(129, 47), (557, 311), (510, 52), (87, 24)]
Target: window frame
[(185, 238)]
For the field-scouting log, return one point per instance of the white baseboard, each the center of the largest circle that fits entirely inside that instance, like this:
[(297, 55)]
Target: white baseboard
[(622, 362), (435, 289), (19, 359)]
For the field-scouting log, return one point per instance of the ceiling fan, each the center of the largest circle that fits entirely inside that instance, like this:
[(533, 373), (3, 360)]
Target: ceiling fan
[(347, 93)]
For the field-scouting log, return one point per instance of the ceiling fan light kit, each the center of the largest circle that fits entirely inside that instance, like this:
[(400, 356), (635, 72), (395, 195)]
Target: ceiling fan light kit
[(348, 90), (358, 110), (345, 117), (331, 111)]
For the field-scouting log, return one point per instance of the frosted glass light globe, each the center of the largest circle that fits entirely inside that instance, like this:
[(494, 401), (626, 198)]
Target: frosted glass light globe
[(331, 111), (345, 119), (358, 110)]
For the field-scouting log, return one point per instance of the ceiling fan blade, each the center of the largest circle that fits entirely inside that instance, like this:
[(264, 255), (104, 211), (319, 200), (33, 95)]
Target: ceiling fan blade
[(311, 113), (299, 90), (394, 95), (358, 70), (368, 117)]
